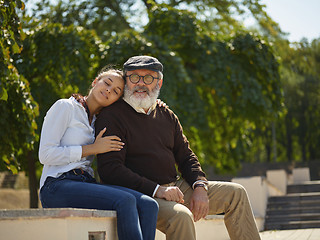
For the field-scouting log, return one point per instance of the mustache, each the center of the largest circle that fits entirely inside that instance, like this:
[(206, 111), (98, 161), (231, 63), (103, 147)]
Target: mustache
[(140, 88)]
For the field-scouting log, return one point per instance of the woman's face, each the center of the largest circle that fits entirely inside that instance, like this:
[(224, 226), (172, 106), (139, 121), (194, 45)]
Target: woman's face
[(108, 88)]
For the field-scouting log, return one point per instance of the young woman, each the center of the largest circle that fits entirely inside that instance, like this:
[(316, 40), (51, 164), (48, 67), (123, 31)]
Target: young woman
[(67, 146)]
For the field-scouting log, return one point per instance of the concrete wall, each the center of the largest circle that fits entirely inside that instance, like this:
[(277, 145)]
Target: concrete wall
[(53, 224), (300, 175), (277, 179)]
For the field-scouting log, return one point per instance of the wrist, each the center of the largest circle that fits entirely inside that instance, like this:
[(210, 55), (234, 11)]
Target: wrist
[(159, 192), (201, 185), (88, 150), (154, 194)]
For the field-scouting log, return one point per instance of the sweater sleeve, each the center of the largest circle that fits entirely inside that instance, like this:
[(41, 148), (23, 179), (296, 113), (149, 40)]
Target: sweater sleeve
[(54, 126), (187, 161), (111, 165)]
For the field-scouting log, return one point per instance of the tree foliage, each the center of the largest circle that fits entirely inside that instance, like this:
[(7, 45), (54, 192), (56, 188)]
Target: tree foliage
[(299, 133), (10, 41), (18, 109)]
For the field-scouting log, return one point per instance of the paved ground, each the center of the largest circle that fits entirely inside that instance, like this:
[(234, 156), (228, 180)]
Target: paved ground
[(299, 234)]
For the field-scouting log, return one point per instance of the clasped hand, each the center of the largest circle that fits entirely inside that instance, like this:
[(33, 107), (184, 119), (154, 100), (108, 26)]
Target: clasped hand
[(199, 202)]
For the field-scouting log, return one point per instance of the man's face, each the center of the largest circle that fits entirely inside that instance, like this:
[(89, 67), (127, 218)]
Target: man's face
[(141, 94), (140, 89)]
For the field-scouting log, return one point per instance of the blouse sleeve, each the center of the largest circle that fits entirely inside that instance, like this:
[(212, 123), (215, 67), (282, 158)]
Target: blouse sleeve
[(54, 126)]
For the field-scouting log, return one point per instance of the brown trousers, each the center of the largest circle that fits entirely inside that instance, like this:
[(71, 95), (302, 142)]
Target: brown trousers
[(176, 220)]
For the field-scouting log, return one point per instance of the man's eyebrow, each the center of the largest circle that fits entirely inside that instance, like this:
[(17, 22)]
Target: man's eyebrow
[(120, 88), (110, 79)]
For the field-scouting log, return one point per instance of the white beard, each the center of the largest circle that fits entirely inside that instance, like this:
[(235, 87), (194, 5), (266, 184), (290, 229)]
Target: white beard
[(141, 102)]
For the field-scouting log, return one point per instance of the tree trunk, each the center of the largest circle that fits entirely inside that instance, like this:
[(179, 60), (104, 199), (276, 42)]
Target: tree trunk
[(268, 144), (274, 142), (289, 137), (33, 183), (304, 151)]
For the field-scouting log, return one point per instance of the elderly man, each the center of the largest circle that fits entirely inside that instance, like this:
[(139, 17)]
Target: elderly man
[(154, 146)]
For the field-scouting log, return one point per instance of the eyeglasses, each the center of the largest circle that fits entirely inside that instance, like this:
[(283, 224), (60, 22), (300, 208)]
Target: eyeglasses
[(147, 79)]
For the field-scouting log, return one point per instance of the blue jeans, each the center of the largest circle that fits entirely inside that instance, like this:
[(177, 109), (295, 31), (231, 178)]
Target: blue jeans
[(136, 212)]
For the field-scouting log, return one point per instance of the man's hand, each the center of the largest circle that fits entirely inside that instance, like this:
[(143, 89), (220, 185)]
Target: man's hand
[(199, 203), (170, 194)]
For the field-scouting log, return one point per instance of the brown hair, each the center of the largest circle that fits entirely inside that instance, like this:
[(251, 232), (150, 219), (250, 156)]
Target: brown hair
[(102, 72)]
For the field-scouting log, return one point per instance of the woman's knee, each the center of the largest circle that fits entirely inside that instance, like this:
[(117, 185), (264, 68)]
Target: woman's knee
[(148, 203), (126, 199)]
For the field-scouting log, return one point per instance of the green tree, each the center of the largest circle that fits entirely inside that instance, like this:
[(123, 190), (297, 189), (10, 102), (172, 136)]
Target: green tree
[(17, 106), (223, 17), (105, 17), (300, 77)]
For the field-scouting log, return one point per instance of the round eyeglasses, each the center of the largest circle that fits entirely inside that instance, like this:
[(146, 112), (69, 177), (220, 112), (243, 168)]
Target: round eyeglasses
[(147, 79)]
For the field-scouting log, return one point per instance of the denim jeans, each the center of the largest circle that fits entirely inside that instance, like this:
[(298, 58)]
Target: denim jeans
[(136, 212)]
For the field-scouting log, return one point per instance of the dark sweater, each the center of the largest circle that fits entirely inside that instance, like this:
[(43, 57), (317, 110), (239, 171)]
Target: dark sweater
[(153, 145)]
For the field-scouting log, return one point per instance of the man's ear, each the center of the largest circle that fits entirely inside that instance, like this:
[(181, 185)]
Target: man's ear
[(160, 83)]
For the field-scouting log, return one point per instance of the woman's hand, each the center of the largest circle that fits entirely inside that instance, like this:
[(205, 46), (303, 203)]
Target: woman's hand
[(162, 104), (108, 143), (102, 145)]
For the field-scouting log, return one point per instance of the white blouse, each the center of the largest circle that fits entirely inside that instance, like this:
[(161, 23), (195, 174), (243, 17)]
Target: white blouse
[(65, 130)]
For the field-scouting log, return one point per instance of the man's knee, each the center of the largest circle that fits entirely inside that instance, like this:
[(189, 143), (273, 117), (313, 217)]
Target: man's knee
[(181, 226), (230, 187), (183, 216), (239, 190)]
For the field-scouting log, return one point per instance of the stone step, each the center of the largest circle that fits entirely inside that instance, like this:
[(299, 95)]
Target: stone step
[(8, 180), (286, 205), (293, 217), (293, 210), (293, 197), (306, 187), (292, 225), (299, 209)]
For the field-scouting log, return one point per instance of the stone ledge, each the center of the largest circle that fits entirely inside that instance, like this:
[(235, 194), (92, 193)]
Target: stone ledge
[(80, 224), (58, 223), (54, 213)]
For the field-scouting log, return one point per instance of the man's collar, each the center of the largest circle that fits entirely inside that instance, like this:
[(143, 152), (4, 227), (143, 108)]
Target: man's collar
[(141, 110)]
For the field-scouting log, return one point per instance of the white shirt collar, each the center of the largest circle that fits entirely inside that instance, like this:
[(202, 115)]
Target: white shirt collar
[(141, 110)]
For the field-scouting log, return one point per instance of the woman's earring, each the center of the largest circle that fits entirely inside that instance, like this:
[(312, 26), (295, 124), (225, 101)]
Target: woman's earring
[(94, 82)]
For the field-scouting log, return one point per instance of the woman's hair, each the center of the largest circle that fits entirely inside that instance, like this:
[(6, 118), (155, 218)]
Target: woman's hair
[(105, 70)]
